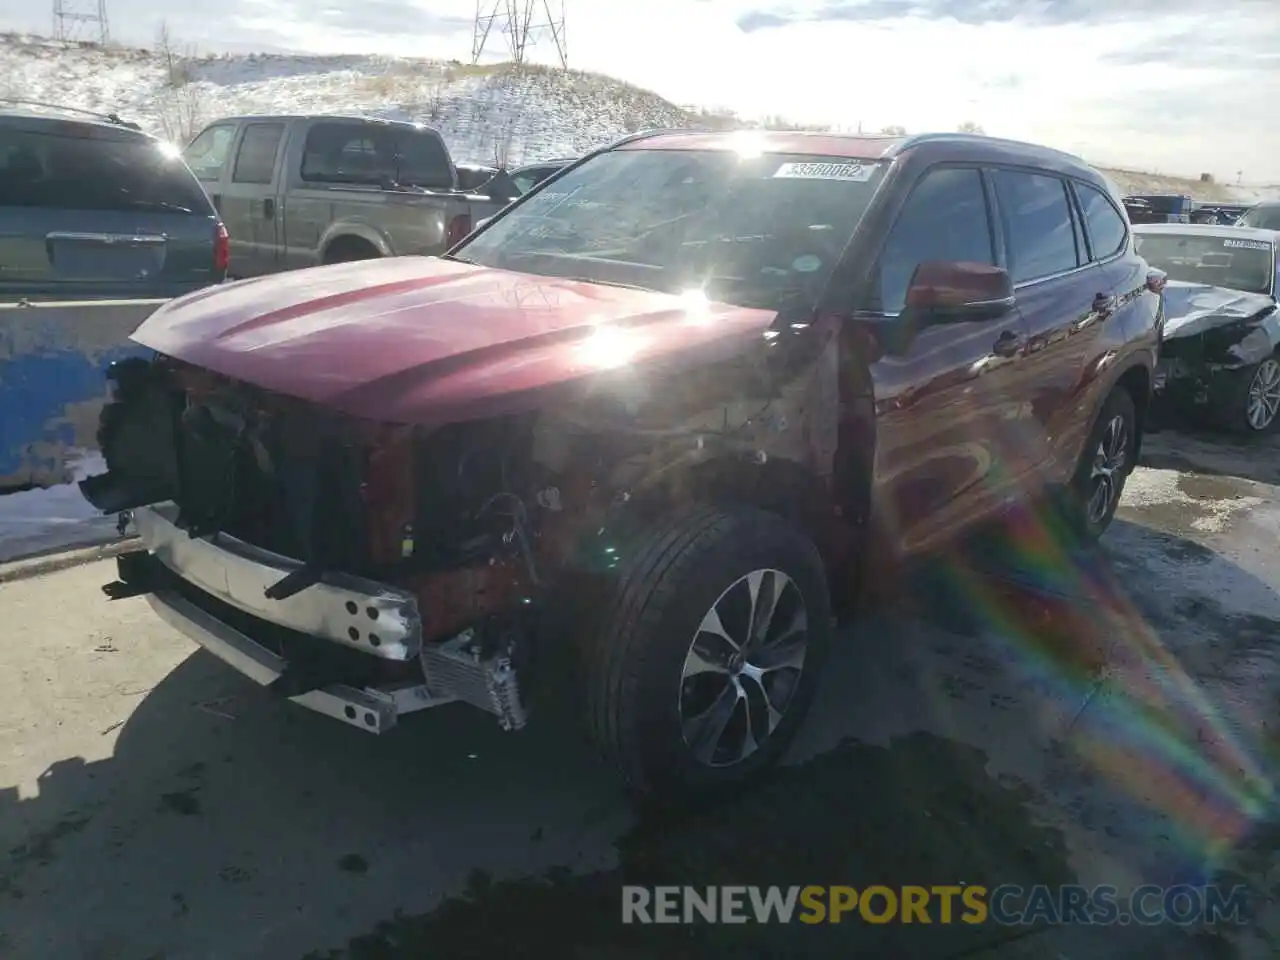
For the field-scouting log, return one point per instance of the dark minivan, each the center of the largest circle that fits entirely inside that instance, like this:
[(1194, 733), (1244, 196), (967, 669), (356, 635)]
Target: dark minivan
[(93, 208)]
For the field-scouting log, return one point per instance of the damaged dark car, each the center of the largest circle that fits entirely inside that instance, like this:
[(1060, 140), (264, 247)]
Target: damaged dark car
[(631, 443), (1221, 330)]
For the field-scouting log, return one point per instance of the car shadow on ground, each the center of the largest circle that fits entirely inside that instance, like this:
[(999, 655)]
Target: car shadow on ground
[(950, 745)]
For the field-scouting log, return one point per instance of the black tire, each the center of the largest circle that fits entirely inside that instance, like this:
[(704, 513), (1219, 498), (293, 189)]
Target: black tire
[(1118, 409), (635, 657), (1230, 399)]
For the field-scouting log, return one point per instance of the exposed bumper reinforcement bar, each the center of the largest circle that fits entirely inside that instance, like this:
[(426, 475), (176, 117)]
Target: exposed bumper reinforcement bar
[(362, 614), (213, 591)]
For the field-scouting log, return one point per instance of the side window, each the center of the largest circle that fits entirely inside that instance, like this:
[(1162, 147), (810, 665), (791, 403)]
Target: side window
[(348, 153), (944, 218), (207, 154), (256, 158), (1040, 233), (1107, 230)]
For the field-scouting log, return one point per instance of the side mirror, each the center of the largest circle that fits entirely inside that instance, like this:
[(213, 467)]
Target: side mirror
[(944, 291)]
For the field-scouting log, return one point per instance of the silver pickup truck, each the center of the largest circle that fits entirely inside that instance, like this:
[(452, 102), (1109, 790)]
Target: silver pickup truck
[(298, 191)]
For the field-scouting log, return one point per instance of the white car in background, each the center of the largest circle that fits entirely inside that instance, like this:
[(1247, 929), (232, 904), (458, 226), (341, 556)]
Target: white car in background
[(1221, 327)]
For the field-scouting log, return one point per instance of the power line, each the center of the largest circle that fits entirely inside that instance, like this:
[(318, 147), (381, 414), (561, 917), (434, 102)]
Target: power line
[(72, 18), (523, 23)]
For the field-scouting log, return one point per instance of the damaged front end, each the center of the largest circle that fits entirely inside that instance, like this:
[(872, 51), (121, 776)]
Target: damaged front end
[(269, 522), (368, 570), (1211, 335)]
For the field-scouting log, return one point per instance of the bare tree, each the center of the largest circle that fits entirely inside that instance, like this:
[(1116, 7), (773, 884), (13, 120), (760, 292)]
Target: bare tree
[(176, 72), (181, 114), (893, 131), (502, 141), (970, 126)]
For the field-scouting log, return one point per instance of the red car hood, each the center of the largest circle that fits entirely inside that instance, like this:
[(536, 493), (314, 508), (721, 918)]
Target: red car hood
[(420, 340)]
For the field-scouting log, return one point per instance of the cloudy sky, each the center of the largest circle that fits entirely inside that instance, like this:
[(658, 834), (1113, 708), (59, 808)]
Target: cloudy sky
[(1179, 86)]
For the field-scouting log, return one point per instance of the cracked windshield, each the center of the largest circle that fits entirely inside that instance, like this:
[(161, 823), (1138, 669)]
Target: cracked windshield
[(680, 480)]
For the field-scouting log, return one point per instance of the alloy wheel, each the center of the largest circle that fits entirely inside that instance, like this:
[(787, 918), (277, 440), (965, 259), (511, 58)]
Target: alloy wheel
[(1110, 460), (1264, 395), (743, 668)]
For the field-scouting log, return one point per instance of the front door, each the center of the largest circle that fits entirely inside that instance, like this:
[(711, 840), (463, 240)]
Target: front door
[(948, 407), (249, 200)]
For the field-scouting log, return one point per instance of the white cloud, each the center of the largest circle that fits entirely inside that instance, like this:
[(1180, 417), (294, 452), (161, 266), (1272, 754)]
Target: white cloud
[(1182, 86)]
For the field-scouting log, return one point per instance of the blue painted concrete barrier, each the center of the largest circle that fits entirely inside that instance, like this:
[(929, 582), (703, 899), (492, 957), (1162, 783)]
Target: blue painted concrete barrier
[(53, 360)]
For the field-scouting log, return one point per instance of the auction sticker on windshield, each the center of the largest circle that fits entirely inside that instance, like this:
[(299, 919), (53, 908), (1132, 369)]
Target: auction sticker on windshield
[(858, 172), (1247, 244)]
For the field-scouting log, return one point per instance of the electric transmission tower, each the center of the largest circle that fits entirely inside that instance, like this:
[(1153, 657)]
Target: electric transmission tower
[(71, 16), (523, 23)]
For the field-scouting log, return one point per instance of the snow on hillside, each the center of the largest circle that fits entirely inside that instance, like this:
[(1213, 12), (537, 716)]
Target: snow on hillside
[(483, 112)]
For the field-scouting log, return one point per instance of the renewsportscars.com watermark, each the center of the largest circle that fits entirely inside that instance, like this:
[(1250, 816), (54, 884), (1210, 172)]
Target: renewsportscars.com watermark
[(1008, 905)]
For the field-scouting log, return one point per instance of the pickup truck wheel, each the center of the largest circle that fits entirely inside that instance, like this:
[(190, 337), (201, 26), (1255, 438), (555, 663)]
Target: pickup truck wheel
[(707, 659), (1105, 465), (348, 249)]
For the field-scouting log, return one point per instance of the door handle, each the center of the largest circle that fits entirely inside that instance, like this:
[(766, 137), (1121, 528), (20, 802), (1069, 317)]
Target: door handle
[(1007, 345), (268, 208)]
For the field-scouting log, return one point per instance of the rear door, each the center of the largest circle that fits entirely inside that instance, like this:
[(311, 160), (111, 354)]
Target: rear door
[(1065, 300), (249, 199), (948, 405), (96, 212)]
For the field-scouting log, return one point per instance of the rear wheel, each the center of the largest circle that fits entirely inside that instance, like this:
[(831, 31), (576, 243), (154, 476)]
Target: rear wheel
[(347, 249), (1105, 465), (706, 663)]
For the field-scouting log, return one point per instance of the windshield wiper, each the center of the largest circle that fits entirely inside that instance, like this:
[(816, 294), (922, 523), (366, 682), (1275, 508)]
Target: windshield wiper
[(611, 283)]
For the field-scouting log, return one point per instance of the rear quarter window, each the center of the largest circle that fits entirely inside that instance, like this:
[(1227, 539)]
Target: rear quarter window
[(96, 173), (1107, 230)]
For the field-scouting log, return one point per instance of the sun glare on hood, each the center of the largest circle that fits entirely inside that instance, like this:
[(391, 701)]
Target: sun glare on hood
[(608, 347), (697, 308)]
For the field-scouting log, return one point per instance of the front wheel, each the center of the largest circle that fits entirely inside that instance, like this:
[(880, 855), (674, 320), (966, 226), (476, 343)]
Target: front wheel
[(1105, 464), (707, 661), (1250, 401)]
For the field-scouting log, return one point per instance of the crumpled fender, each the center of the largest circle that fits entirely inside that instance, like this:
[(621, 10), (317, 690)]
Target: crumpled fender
[(1258, 343)]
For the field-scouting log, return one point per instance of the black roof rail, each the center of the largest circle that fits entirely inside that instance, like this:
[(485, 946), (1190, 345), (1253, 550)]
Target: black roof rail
[(915, 139), (114, 118)]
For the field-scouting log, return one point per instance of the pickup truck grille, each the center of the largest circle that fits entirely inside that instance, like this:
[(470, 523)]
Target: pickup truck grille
[(291, 485)]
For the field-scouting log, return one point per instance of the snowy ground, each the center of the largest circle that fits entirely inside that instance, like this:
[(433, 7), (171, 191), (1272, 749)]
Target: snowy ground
[(41, 521)]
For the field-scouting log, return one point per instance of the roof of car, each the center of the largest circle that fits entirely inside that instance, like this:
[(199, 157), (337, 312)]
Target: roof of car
[(68, 123), (323, 117), (1225, 231), (862, 147)]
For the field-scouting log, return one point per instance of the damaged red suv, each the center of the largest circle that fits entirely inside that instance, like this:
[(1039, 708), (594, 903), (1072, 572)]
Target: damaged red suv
[(630, 442)]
